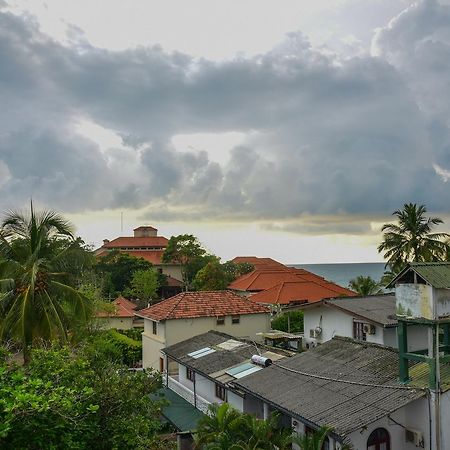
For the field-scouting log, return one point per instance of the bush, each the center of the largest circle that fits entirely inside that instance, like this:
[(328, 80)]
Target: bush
[(64, 400)]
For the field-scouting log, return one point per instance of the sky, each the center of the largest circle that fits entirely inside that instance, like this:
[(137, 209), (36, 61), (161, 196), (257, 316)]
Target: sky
[(291, 130)]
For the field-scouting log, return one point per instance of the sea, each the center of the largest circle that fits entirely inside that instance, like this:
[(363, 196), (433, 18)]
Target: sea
[(342, 273)]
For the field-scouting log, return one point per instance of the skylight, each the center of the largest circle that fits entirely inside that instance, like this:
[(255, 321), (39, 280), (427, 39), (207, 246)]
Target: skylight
[(243, 370), (202, 352)]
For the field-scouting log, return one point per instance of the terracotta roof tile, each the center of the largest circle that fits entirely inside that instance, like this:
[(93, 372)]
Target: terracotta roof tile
[(123, 308), (296, 291), (257, 262), (131, 241), (202, 304), (153, 256)]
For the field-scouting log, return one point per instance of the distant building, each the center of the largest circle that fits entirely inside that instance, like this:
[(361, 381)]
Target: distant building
[(122, 316), (278, 285), (190, 313), (145, 244)]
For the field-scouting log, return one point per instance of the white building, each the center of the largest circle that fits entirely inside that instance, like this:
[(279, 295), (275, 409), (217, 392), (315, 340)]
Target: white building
[(191, 313), (370, 318)]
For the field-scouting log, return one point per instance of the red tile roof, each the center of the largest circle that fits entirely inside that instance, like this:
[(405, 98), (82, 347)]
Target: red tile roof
[(202, 304), (123, 308), (131, 241), (298, 291), (257, 262)]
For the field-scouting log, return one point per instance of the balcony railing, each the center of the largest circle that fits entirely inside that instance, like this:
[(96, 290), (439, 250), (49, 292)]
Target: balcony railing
[(199, 402)]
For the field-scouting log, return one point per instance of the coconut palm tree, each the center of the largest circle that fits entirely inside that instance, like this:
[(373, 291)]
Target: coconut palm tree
[(36, 303), (411, 239), (364, 285)]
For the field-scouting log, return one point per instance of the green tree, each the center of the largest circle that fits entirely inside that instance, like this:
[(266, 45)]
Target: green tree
[(316, 440), (411, 238), (117, 269), (290, 322), (35, 301), (227, 428), (212, 277), (364, 285), (67, 400), (144, 285), (235, 270), (186, 249)]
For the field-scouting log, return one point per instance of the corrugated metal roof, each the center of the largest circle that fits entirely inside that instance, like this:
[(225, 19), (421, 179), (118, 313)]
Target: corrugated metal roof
[(375, 308), (316, 385), (435, 273)]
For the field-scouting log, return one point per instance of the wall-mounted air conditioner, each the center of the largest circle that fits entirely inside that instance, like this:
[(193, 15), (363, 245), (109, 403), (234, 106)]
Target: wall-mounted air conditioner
[(368, 328), (415, 437)]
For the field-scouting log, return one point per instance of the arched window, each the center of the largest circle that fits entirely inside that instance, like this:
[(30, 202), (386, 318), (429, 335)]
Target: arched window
[(379, 440)]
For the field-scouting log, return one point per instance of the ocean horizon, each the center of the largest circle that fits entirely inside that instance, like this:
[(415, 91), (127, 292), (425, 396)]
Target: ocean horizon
[(342, 273)]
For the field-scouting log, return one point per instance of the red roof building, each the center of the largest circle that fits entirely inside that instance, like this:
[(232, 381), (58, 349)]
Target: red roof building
[(201, 304), (145, 244), (122, 308), (278, 284)]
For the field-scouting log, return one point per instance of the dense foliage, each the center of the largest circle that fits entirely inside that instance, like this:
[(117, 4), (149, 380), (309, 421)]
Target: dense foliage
[(227, 428), (216, 276), (290, 322), (67, 400), (38, 264)]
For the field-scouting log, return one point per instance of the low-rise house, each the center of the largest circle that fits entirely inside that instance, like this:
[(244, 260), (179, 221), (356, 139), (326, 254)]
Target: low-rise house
[(145, 244), (121, 316), (370, 318), (200, 372), (191, 313), (351, 386)]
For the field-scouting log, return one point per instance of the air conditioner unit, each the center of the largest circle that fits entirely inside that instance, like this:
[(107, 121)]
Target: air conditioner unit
[(315, 332), (368, 328), (415, 437)]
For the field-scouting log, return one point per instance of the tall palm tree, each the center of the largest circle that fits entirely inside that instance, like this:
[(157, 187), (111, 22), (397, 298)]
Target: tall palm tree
[(36, 303), (364, 285), (411, 239)]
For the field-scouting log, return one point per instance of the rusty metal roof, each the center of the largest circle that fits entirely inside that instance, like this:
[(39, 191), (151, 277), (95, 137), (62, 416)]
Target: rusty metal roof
[(437, 274)]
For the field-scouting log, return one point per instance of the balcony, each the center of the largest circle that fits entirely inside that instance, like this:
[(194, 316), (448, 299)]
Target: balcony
[(173, 384)]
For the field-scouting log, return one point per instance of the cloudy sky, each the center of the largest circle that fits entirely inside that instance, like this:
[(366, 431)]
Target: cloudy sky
[(290, 130)]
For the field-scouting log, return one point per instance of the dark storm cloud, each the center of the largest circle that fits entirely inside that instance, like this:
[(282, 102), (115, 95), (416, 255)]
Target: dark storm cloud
[(325, 136)]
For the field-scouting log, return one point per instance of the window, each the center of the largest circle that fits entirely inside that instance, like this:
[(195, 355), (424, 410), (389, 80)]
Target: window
[(155, 328), (358, 331), (220, 392), (220, 320), (235, 319), (190, 374), (379, 440)]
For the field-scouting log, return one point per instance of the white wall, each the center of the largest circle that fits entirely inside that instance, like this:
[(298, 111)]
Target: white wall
[(412, 416), (152, 344), (235, 400)]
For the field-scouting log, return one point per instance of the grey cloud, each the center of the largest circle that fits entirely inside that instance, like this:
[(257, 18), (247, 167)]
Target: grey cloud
[(324, 136)]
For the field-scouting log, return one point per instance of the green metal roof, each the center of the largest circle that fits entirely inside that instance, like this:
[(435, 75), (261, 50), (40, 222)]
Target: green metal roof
[(435, 273), (179, 412)]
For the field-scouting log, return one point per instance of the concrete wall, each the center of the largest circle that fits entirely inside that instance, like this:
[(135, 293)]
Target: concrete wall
[(173, 270), (332, 322), (119, 323), (180, 329), (171, 332), (412, 416)]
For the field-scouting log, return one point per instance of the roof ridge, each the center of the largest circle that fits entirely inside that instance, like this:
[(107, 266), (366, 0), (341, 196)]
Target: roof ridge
[(181, 295)]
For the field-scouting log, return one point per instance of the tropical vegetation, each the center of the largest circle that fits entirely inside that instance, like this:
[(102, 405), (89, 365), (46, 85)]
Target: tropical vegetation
[(365, 285), (412, 238), (75, 399), (38, 298)]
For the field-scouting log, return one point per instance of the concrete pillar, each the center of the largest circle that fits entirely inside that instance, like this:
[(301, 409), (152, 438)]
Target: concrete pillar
[(266, 413)]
